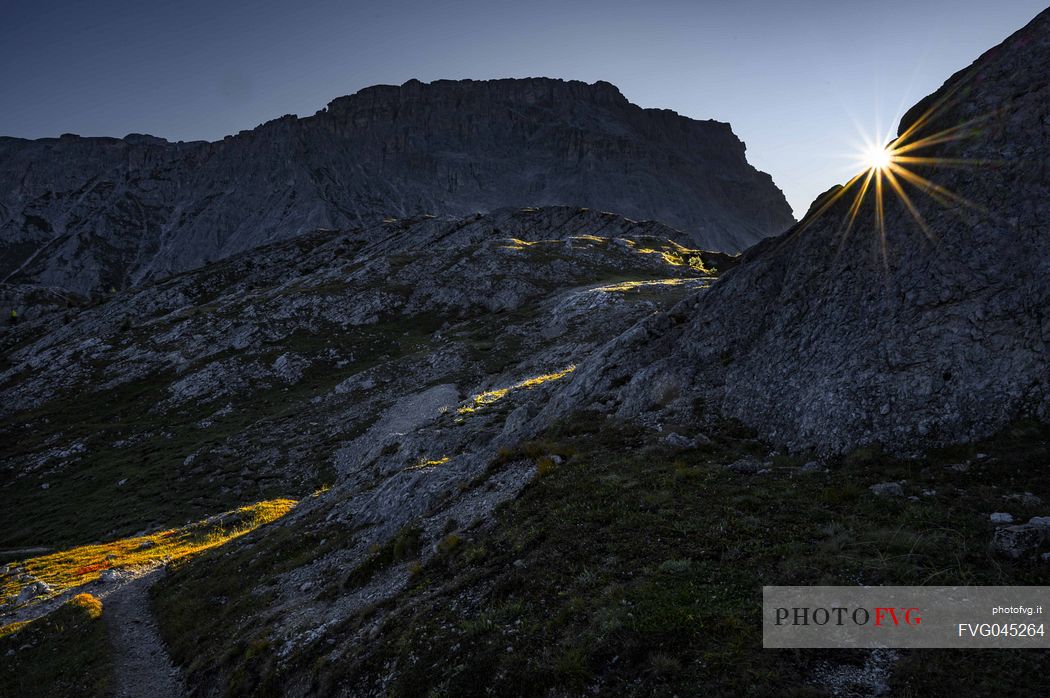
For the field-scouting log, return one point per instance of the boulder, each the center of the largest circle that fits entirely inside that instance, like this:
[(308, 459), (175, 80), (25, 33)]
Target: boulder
[(746, 466), (887, 489), (1018, 541), (32, 591)]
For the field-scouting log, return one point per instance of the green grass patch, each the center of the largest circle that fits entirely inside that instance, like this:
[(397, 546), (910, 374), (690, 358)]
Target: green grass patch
[(616, 574), (63, 654)]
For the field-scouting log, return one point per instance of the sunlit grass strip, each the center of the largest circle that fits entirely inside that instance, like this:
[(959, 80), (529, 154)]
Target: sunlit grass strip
[(424, 464), (12, 628), (491, 396), (517, 244), (88, 604), (71, 568), (625, 286), (673, 254)]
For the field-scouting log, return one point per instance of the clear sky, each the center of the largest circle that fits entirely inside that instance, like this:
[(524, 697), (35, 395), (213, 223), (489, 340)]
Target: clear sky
[(797, 79)]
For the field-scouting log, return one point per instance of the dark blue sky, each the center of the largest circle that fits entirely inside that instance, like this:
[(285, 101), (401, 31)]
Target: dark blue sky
[(795, 78)]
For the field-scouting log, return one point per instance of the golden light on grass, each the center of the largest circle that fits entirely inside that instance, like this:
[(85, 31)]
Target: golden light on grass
[(425, 464), (492, 396), (72, 568), (627, 286), (90, 603), (12, 628)]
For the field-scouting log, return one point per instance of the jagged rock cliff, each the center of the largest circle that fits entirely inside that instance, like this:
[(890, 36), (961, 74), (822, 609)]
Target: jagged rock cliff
[(91, 214), (833, 336)]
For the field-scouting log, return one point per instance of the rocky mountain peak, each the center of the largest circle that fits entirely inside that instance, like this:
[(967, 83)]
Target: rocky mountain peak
[(546, 91), (925, 328), (94, 213)]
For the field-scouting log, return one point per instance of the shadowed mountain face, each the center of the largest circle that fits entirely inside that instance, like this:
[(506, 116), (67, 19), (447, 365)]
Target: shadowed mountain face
[(521, 429), (832, 336), (92, 213), (303, 344)]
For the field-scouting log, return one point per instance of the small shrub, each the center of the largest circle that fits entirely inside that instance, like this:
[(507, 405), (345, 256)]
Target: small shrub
[(407, 542), (675, 566), (588, 577), (696, 263), (867, 455), (89, 603), (608, 620), (544, 466), (571, 666), (505, 455), (403, 546), (257, 647), (475, 554), (663, 664), (448, 544)]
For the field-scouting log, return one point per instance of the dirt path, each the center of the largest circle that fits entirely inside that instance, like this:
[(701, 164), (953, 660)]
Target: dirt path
[(141, 663)]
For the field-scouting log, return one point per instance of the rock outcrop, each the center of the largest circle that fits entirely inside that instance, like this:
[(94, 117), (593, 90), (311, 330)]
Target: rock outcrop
[(834, 335), (397, 343), (91, 214)]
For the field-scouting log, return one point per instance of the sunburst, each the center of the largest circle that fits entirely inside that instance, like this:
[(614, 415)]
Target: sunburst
[(890, 168)]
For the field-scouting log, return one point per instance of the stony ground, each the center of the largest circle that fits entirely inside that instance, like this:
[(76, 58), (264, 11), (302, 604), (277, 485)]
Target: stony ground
[(141, 665), (631, 564), (385, 374), (553, 451)]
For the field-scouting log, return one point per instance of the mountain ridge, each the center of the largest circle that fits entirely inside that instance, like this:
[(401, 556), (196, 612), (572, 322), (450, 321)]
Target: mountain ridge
[(837, 335), (120, 211)]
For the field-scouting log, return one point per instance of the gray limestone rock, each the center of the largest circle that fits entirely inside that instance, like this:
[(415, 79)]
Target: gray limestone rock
[(942, 318), (1018, 541), (94, 214), (887, 489), (31, 591)]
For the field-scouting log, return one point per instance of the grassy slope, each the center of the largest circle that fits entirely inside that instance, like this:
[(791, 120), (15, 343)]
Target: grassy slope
[(64, 654), (638, 571), (84, 502), (83, 564), (212, 611)]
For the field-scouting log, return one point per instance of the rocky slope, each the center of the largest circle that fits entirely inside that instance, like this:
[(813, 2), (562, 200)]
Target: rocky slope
[(837, 335), (385, 366), (539, 450), (91, 214), (293, 365)]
